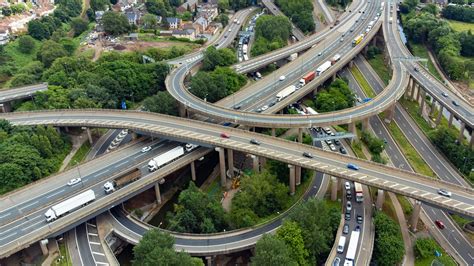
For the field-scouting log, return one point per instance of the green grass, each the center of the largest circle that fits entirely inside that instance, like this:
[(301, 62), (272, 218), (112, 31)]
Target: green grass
[(415, 160), (422, 51), (64, 259), (413, 109), (80, 154), (77, 40), (381, 68), (406, 206), (460, 26), (357, 149), (362, 82), (445, 259), (214, 189)]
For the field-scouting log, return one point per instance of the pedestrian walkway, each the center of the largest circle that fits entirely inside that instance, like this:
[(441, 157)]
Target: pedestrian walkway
[(77, 141)]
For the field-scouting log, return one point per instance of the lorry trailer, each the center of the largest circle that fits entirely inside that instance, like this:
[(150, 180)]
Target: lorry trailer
[(335, 58), (325, 66), (285, 92), (357, 40), (122, 180), (307, 78), (163, 159), (69, 205)]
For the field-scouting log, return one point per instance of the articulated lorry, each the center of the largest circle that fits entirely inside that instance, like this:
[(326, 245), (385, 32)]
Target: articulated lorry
[(357, 40), (285, 92), (325, 66), (307, 78), (122, 180), (69, 205), (163, 159), (335, 58)]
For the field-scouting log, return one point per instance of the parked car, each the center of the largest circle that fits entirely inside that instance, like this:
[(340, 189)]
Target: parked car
[(74, 181), (342, 150), (347, 216), (444, 192), (345, 229), (337, 142), (336, 261), (332, 147), (347, 185), (359, 219), (349, 206), (353, 166)]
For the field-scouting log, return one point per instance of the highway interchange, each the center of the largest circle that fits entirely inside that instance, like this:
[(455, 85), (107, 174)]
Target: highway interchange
[(59, 120)]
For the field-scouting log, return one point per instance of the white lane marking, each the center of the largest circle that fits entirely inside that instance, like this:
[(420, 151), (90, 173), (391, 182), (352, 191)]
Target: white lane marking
[(102, 172), (12, 234), (120, 164), (98, 253), (101, 263), (26, 206), (456, 240), (136, 156), (94, 243), (54, 194), (92, 234), (31, 225), (5, 215)]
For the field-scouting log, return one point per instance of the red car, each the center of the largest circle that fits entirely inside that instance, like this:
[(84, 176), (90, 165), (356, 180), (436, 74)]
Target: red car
[(225, 135), (439, 224)]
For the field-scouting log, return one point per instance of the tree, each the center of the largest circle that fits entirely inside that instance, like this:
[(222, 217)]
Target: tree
[(50, 51), (424, 247), (271, 250), (149, 21), (337, 97), (216, 85), (431, 8), (68, 45), (300, 12), (388, 247), (115, 23), (156, 248), (38, 30), (22, 79), (98, 5), (162, 103), (78, 25), (6, 11), (223, 5), (26, 44), (291, 234), (213, 58), (223, 19)]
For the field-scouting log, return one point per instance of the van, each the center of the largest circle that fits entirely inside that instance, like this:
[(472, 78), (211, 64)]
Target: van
[(341, 244)]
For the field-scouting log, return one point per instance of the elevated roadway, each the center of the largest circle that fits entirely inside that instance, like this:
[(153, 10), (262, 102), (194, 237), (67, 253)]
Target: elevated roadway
[(9, 95), (371, 174)]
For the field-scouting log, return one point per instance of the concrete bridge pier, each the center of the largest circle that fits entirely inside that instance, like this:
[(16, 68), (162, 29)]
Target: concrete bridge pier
[(422, 103), (334, 77), (380, 199), (450, 121), (433, 108), (365, 124), (300, 135), (222, 165), (193, 171), (471, 143), (230, 161), (157, 192), (66, 129), (255, 163), (334, 187), (292, 179), (389, 114), (5, 107), (353, 129), (298, 175), (44, 246), (263, 162), (209, 260), (351, 63), (415, 215), (89, 135), (461, 131), (440, 114), (181, 109), (418, 93), (413, 88), (273, 132)]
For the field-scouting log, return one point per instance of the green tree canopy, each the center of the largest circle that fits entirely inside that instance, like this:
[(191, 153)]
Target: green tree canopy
[(26, 44), (115, 23), (79, 25), (162, 103), (270, 251), (290, 232)]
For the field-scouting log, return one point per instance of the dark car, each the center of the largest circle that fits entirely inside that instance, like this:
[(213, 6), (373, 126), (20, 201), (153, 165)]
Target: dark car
[(440, 224), (307, 155), (342, 150), (254, 141), (455, 103), (347, 216), (359, 219), (237, 107), (337, 142), (358, 228)]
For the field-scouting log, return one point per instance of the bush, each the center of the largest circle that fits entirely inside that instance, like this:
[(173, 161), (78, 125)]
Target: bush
[(26, 44), (424, 247)]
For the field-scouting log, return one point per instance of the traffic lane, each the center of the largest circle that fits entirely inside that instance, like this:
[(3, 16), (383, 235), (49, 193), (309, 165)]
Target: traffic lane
[(62, 190), (94, 243), (36, 219), (83, 244), (212, 133)]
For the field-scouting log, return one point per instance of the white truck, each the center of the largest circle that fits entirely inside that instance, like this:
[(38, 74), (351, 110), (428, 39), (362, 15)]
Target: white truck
[(325, 66), (69, 205), (163, 159), (189, 147), (293, 57), (122, 180), (285, 92), (341, 244)]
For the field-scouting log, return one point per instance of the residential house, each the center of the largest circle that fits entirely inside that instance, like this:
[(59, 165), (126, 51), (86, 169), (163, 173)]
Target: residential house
[(189, 33), (99, 15), (201, 24), (133, 16), (189, 5), (174, 23), (208, 11), (191, 26), (4, 35)]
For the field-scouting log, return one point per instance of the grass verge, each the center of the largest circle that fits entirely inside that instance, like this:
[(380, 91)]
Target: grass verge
[(80, 154), (380, 68), (460, 26), (362, 82), (63, 259), (357, 148), (422, 51), (445, 259), (406, 206)]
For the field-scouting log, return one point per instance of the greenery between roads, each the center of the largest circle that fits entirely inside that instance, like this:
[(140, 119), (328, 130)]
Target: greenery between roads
[(80, 155), (377, 62), (64, 259), (425, 248), (300, 13), (336, 96), (28, 154), (156, 248), (421, 51), (314, 220), (388, 247), (362, 82), (271, 33)]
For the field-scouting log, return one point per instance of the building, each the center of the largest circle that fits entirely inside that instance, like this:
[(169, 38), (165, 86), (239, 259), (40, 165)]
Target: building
[(208, 11), (173, 23), (133, 16), (201, 24), (4, 35), (99, 15), (189, 34), (189, 5)]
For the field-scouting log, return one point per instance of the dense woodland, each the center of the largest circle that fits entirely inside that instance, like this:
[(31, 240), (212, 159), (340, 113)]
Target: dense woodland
[(271, 33), (389, 246), (300, 12), (29, 153)]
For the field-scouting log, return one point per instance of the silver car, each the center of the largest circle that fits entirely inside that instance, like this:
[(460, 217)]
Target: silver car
[(444, 192)]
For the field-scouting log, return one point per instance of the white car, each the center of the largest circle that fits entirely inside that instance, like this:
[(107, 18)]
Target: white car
[(332, 147), (147, 148), (265, 107), (74, 181), (282, 78), (444, 192), (347, 185)]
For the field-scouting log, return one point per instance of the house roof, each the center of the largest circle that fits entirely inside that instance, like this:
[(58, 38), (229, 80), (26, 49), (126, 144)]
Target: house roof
[(184, 32), (172, 20)]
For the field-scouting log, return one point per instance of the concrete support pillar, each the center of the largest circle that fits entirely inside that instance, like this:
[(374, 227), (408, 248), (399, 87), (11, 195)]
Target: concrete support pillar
[(134, 135), (433, 108), (380, 199), (422, 103), (208, 261), (181, 109), (374, 41), (298, 175), (5, 107), (418, 93), (440, 115), (471, 143), (230, 161), (366, 48), (450, 121), (413, 88), (351, 63), (222, 166), (273, 132), (334, 186), (193, 171), (292, 179), (352, 128), (58, 129), (255, 163), (365, 124), (44, 246), (89, 135), (66, 129), (334, 77), (389, 113), (300, 135), (407, 93), (461, 131), (263, 162), (157, 193), (415, 215)]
